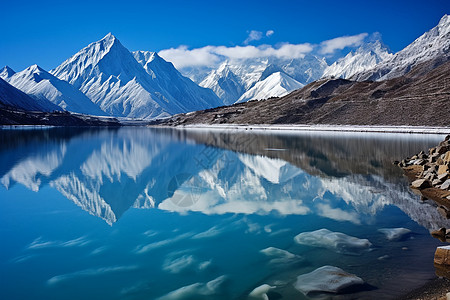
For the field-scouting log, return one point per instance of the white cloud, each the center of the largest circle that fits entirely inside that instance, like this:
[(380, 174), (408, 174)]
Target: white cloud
[(339, 43), (253, 36), (212, 55), (183, 57)]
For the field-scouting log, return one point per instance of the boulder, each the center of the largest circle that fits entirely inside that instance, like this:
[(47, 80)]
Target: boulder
[(440, 234), (442, 255), (443, 169), (335, 241), (327, 279), (421, 184), (446, 157), (446, 185), (436, 182), (441, 149), (443, 176)]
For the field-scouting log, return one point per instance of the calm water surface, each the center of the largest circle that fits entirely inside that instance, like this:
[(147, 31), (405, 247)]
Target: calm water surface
[(138, 213)]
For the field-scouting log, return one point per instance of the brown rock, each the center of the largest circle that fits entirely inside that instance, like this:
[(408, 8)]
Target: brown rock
[(441, 149), (439, 233), (420, 184), (442, 169), (442, 256), (446, 157), (442, 271)]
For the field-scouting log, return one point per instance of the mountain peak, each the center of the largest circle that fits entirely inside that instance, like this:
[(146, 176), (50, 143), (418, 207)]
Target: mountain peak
[(278, 84), (106, 56), (6, 72), (367, 56), (432, 45), (444, 25), (108, 39), (35, 69)]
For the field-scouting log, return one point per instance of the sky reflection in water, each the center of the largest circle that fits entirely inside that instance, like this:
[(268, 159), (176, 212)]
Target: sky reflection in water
[(139, 213)]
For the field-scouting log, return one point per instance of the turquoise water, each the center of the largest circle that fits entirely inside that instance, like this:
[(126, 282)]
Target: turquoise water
[(138, 213)]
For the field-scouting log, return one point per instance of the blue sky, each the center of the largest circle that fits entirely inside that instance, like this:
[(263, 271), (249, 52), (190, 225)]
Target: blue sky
[(48, 32)]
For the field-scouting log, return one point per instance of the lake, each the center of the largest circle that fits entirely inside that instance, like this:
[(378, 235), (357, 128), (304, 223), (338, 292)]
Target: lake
[(148, 213)]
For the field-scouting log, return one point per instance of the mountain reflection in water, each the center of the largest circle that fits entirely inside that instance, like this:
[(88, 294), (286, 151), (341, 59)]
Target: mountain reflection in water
[(259, 190), (106, 172)]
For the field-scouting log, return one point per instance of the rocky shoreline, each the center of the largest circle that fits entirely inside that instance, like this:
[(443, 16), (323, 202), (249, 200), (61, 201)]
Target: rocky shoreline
[(429, 173)]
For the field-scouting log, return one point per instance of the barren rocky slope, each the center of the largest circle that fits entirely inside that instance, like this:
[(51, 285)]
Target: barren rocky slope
[(421, 97)]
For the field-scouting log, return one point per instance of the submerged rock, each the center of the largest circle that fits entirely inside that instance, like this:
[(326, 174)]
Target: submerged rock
[(327, 279), (260, 292), (394, 234), (197, 291), (280, 256), (336, 241)]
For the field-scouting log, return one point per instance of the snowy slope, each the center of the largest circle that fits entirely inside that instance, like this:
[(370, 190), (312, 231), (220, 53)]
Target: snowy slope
[(365, 57), (224, 83), (234, 78), (41, 85), (112, 78), (170, 80), (276, 85), (431, 45), (6, 72), (11, 96)]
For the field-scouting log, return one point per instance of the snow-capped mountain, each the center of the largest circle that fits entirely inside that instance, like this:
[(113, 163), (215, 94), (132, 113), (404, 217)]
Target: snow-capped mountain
[(6, 72), (224, 83), (276, 85), (234, 78), (433, 44), (107, 73), (365, 57), (41, 85), (169, 79), (13, 97)]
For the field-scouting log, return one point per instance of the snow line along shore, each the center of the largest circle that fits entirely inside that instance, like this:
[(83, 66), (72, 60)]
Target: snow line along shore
[(339, 128)]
